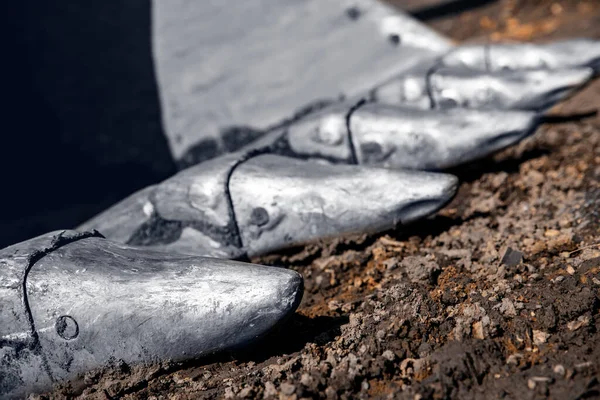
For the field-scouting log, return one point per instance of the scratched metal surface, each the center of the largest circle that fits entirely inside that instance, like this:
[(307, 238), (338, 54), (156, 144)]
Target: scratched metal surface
[(226, 63), (72, 302)]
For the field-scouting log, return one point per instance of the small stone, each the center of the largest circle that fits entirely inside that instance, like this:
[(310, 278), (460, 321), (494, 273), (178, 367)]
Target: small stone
[(245, 392), (330, 393), (559, 369), (583, 320), (507, 307), (531, 384), (229, 393), (512, 257), (540, 337), (551, 233), (334, 305), (306, 379), (389, 355), (287, 388), (570, 269), (478, 330), (583, 366), (270, 390), (514, 359), (537, 248)]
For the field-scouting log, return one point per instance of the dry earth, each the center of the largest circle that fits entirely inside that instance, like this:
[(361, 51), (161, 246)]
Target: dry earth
[(495, 297)]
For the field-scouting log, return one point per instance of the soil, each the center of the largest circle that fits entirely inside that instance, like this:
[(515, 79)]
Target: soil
[(497, 296)]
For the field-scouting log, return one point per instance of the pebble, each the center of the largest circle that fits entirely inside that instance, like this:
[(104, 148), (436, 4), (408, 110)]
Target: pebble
[(551, 233), (512, 257), (578, 323), (389, 355), (583, 366), (540, 337), (270, 389), (287, 388), (478, 330), (514, 359), (559, 369)]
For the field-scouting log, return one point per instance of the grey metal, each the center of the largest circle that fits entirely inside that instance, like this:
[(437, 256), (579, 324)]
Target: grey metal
[(450, 87), (251, 202), (228, 72), (281, 202), (572, 53), (227, 69), (72, 302), (399, 137), (304, 95)]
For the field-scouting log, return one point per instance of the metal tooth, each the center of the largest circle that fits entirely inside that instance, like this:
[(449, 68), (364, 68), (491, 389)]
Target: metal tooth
[(523, 90), (280, 202), (92, 300), (458, 87), (393, 137), (562, 54)]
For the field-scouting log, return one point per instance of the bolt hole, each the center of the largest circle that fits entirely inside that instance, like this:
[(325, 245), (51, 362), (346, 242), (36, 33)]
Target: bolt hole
[(394, 39), (353, 13), (66, 327), (259, 217)]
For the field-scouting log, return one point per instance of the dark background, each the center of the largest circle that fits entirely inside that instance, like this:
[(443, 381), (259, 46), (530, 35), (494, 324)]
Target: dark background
[(82, 126)]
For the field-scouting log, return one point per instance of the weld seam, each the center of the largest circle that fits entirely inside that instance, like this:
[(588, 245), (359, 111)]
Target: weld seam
[(58, 242), (235, 226), (487, 59), (353, 156), (429, 86)]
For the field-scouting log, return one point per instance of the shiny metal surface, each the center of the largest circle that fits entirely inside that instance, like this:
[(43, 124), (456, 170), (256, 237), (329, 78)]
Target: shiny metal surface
[(180, 225), (89, 301), (224, 64), (280, 202), (401, 137), (571, 53), (504, 90), (393, 137)]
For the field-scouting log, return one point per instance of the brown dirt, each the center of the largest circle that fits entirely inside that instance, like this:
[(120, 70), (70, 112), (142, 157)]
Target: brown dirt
[(496, 296)]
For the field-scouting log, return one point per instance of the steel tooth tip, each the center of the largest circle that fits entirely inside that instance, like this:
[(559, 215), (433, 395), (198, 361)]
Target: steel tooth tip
[(435, 191), (581, 52), (542, 89), (394, 137), (92, 300), (571, 53), (522, 90), (281, 202), (489, 131)]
